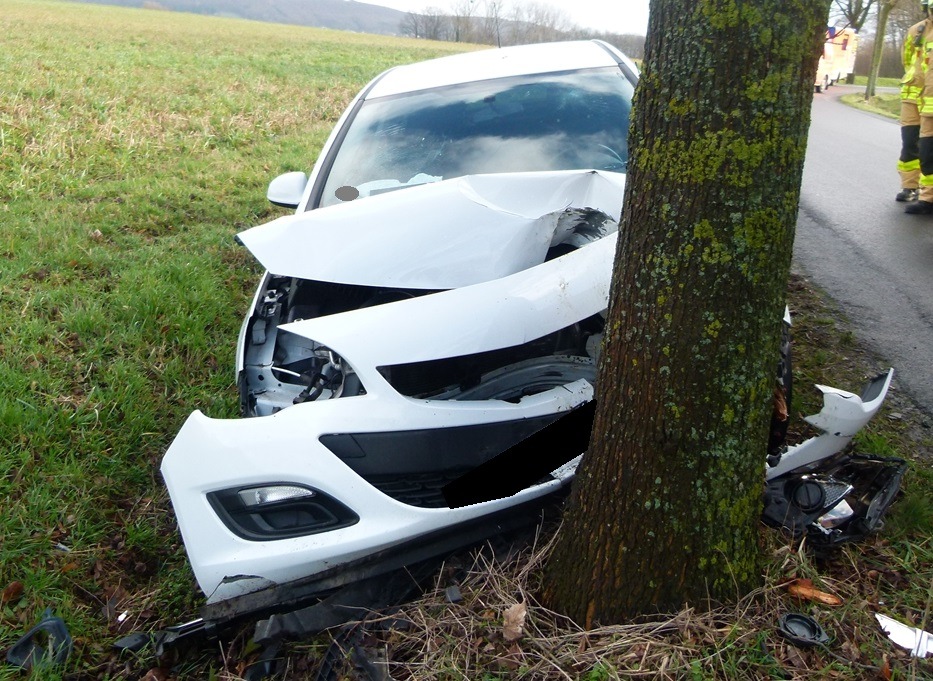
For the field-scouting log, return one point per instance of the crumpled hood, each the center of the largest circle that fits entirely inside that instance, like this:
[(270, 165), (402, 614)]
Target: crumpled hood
[(442, 235)]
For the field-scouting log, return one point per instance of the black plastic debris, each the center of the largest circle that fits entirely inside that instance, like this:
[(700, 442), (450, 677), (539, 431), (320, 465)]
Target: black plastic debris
[(46, 643), (802, 630), (134, 643), (268, 665), (453, 594), (348, 649), (838, 500)]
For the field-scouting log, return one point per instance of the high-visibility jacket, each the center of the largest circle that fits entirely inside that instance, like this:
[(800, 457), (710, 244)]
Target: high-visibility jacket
[(914, 60), (925, 101)]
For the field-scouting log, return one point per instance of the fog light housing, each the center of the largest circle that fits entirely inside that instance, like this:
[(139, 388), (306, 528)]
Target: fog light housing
[(279, 510)]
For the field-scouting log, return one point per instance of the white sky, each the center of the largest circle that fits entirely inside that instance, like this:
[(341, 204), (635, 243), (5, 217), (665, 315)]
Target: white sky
[(612, 16)]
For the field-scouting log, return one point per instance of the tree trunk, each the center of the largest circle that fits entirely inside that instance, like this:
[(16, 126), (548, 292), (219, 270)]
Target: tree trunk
[(884, 9), (666, 503)]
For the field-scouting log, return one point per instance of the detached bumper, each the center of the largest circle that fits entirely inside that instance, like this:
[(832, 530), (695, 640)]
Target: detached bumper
[(842, 416)]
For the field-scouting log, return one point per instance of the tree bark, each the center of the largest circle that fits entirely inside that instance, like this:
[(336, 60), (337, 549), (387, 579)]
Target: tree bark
[(666, 503), (884, 10)]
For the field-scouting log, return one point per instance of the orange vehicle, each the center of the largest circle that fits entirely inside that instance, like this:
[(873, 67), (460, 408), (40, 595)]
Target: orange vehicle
[(838, 58)]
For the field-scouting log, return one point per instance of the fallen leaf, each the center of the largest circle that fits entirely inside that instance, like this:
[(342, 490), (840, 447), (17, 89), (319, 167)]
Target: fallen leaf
[(513, 622), (155, 674), (804, 589), (851, 651), (780, 404), (793, 657), (886, 669), (12, 593)]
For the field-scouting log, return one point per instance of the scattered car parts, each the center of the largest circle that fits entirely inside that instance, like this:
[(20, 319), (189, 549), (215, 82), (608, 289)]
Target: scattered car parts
[(47, 643), (802, 630), (831, 497), (917, 641)]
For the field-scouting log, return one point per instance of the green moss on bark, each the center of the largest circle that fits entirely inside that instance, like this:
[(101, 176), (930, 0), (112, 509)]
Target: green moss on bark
[(666, 503)]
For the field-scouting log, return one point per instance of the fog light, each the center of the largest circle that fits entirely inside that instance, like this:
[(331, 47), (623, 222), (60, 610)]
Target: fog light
[(257, 496), (279, 510)]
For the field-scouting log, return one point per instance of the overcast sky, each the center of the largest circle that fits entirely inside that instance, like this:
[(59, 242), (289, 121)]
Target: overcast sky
[(612, 16)]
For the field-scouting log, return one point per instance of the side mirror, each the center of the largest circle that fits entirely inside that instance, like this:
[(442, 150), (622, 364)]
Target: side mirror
[(286, 190)]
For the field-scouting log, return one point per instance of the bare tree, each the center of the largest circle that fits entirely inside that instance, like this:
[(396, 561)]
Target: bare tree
[(537, 22), (493, 33), (462, 27), (853, 12), (666, 504), (435, 24), (412, 25), (904, 14), (884, 10)]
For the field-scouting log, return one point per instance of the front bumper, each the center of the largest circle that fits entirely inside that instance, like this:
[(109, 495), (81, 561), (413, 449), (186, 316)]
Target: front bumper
[(211, 455)]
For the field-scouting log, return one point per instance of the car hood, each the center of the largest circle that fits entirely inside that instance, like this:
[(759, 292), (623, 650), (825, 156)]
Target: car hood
[(442, 235)]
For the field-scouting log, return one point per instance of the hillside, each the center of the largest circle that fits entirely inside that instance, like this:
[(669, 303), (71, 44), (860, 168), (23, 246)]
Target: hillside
[(344, 15)]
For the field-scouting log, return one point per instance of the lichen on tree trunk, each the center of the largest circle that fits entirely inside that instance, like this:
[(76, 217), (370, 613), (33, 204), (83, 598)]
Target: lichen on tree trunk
[(666, 502)]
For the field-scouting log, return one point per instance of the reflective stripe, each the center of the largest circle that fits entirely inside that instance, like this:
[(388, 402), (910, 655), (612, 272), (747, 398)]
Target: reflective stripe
[(907, 166), (926, 180)]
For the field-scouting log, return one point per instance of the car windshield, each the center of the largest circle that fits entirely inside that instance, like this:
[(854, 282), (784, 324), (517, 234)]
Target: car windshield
[(562, 121)]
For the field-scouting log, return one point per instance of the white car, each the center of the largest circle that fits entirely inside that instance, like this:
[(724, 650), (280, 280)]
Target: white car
[(437, 297)]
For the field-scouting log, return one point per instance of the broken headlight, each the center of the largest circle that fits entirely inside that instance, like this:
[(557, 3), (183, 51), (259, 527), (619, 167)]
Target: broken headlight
[(843, 499)]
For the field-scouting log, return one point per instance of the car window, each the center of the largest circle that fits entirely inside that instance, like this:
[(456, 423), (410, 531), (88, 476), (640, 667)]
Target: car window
[(561, 121)]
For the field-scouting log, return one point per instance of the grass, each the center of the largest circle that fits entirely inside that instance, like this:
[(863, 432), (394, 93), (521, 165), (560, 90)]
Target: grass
[(133, 146), (880, 82), (885, 104)]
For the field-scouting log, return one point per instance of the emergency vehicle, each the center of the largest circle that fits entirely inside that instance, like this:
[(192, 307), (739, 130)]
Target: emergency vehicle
[(838, 58)]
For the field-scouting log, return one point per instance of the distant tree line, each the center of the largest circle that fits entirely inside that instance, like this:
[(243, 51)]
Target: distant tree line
[(495, 22)]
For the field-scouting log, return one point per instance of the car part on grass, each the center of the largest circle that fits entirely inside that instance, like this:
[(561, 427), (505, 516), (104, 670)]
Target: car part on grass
[(917, 641), (834, 497), (838, 500), (306, 606), (831, 497), (802, 630), (842, 416), (47, 643)]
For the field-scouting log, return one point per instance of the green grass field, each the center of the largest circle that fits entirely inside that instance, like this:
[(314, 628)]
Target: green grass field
[(134, 145)]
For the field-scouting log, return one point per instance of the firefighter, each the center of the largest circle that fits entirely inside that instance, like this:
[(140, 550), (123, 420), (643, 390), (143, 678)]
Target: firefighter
[(923, 40), (908, 165)]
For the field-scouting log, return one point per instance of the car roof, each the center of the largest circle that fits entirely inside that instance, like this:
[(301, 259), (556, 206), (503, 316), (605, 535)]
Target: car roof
[(502, 62)]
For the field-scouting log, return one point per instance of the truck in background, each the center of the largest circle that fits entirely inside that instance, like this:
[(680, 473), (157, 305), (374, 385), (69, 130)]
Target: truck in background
[(838, 58)]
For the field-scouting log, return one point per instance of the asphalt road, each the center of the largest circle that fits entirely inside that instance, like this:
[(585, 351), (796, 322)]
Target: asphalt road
[(854, 241)]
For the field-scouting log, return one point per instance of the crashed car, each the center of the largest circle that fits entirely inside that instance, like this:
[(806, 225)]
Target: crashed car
[(437, 297)]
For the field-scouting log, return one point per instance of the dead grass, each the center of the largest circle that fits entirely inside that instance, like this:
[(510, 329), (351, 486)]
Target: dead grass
[(437, 639)]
